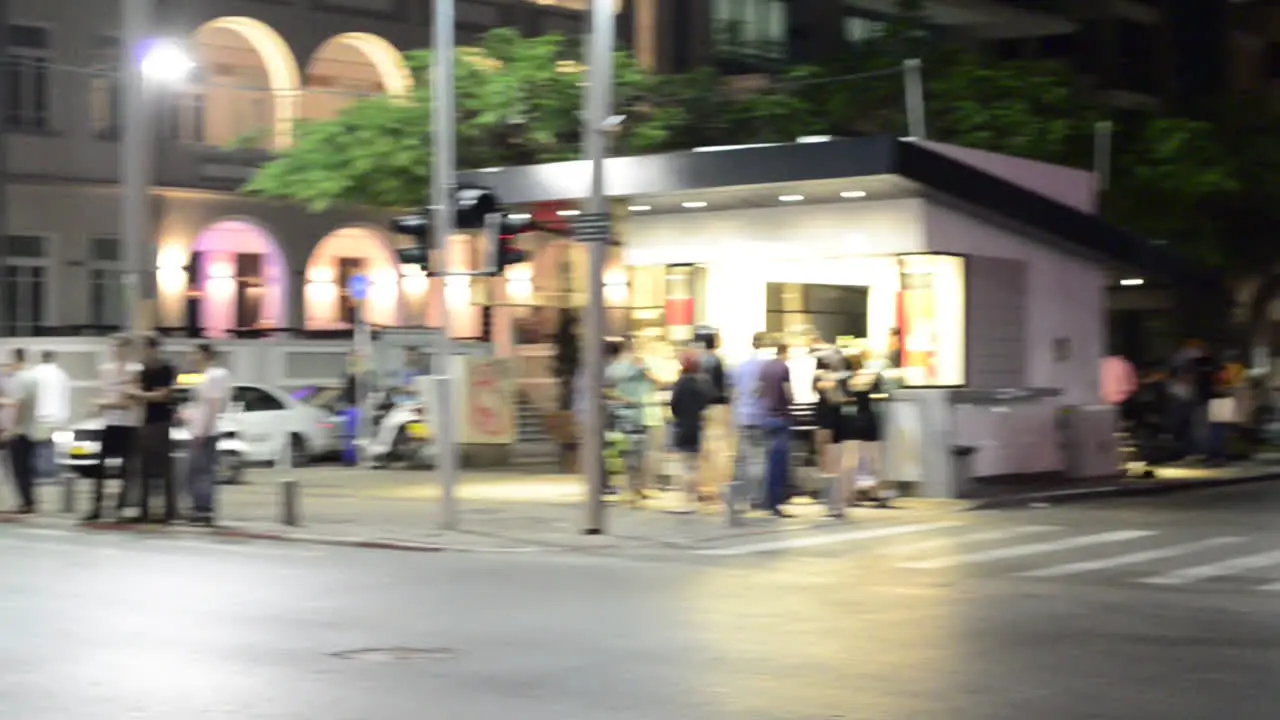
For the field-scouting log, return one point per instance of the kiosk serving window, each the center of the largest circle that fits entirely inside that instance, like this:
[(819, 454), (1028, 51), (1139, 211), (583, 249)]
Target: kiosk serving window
[(931, 320), (830, 311)]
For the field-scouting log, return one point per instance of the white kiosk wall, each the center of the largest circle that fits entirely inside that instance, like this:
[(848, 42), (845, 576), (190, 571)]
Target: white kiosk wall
[(745, 250), (1065, 314)]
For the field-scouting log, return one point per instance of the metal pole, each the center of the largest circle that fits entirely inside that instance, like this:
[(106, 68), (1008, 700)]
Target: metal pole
[(913, 89), (443, 184), (135, 164), (597, 102)]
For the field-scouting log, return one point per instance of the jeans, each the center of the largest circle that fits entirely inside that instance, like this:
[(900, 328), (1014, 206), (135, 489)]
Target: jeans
[(22, 462), (117, 442), (1218, 435), (154, 453), (749, 463), (778, 432), (202, 465)]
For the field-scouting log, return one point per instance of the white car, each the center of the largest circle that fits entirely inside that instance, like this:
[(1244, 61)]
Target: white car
[(270, 421), (78, 449)]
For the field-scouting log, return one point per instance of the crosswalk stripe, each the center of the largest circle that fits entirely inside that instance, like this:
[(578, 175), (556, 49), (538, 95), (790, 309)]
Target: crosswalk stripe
[(935, 543), (1213, 570), (1077, 568), (830, 539), (1023, 550)]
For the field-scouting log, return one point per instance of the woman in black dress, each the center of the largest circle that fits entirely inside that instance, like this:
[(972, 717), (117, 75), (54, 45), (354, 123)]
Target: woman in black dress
[(828, 383), (860, 457)]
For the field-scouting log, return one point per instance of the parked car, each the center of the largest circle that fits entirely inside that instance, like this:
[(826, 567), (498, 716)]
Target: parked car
[(79, 448), (270, 422)]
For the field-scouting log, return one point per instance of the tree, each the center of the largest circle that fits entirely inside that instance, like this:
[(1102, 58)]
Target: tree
[(517, 101)]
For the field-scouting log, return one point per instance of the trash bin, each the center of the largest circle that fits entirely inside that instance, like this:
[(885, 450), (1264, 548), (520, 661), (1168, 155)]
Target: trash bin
[(962, 464)]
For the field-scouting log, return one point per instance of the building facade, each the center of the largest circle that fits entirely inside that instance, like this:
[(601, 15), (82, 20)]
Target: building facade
[(223, 260)]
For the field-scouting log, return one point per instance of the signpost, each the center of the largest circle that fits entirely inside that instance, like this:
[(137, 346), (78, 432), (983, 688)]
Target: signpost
[(358, 290)]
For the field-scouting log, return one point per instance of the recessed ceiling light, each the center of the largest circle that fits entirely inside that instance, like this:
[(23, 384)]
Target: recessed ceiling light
[(639, 208), (693, 204), (520, 216), (853, 194), (1131, 282), (568, 213), (791, 198)]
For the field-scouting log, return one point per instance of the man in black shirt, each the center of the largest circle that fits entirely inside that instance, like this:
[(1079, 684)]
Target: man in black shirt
[(157, 379)]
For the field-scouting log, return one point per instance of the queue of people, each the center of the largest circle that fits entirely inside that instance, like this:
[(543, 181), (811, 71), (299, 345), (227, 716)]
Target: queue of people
[(736, 423), (134, 396)]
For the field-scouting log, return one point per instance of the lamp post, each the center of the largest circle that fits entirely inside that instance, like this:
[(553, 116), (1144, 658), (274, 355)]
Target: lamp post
[(597, 125), (148, 65)]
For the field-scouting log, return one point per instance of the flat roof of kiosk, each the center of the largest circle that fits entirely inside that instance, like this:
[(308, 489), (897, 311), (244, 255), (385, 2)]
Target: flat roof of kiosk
[(881, 166)]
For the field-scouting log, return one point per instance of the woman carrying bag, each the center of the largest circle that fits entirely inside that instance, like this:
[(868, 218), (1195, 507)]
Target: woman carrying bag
[(860, 448)]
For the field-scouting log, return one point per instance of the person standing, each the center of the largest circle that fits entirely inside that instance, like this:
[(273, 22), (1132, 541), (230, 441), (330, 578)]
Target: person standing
[(689, 397), (210, 400), (749, 415), (717, 424), (631, 387), (117, 381), (775, 393), (24, 396), (53, 411), (155, 459)]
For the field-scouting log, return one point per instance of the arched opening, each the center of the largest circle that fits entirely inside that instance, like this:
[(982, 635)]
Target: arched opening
[(245, 92), (351, 66), (240, 278), (341, 255)]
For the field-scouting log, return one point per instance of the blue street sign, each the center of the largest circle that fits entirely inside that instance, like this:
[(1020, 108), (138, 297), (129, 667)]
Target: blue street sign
[(358, 287)]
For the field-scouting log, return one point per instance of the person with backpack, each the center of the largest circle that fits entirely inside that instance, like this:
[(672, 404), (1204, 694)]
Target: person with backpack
[(715, 467)]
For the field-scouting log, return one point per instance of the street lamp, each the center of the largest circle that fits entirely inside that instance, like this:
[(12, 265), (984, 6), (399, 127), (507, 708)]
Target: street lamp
[(149, 64)]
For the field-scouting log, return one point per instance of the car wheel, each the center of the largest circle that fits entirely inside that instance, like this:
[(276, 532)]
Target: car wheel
[(298, 454)]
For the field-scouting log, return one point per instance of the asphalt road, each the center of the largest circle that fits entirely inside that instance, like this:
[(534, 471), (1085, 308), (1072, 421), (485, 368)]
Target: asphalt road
[(951, 622)]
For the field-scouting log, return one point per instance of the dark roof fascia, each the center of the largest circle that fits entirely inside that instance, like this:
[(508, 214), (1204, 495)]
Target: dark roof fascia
[(641, 175), (1093, 235)]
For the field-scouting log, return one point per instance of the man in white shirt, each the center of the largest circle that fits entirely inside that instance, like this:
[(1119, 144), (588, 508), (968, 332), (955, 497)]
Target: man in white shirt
[(121, 413), (209, 401), (24, 395), (53, 410)]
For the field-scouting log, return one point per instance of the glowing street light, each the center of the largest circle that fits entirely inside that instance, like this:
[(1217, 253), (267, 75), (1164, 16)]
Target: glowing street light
[(166, 62)]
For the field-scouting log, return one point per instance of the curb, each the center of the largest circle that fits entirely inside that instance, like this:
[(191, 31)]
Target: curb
[(231, 533), (1132, 489)]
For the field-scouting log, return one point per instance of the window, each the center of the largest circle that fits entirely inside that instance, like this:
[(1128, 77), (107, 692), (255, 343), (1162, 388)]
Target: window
[(106, 283), (255, 399), (752, 27), (831, 311), (24, 276), (27, 67), (104, 89), (347, 269), (185, 113)]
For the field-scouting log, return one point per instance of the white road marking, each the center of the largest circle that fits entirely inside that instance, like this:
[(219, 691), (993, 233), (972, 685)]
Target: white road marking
[(43, 531), (1226, 567), (1023, 550), (1077, 568), (831, 539), (974, 538)]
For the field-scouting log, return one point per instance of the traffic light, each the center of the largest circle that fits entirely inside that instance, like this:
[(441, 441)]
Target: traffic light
[(471, 205), (501, 232)]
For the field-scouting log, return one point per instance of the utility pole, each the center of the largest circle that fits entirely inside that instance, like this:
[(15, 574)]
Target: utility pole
[(443, 181), (135, 168), (595, 135)]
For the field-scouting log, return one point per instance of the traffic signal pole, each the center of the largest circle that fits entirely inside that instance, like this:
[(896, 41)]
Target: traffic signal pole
[(595, 136), (443, 182)]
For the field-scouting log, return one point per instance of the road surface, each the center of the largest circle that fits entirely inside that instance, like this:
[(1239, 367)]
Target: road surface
[(1029, 615)]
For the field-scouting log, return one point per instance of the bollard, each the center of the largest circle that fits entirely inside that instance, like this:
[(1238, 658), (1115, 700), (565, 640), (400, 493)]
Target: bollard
[(290, 503), (68, 492)]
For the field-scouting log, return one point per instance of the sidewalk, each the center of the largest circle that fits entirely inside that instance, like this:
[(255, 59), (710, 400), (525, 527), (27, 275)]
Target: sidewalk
[(1172, 478), (496, 512)]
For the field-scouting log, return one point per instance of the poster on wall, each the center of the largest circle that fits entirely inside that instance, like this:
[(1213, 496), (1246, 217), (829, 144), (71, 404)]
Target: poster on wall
[(931, 320), (486, 401)]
